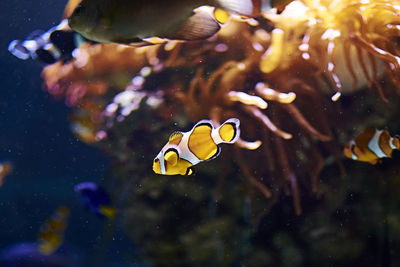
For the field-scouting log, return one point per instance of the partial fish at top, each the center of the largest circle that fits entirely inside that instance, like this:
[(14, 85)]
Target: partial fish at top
[(131, 21)]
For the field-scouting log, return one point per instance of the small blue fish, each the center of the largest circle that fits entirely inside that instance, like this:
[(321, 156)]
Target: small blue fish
[(48, 47), (95, 199)]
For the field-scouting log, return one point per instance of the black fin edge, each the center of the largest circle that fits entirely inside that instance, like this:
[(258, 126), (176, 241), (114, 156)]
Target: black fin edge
[(234, 130), (215, 155), (206, 124), (188, 170)]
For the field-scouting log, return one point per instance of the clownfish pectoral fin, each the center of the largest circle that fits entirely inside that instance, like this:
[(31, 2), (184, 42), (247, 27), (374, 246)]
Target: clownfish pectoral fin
[(108, 211), (348, 153), (229, 131), (171, 156), (200, 25)]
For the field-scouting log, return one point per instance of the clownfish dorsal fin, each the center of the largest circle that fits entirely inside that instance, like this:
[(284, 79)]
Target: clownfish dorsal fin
[(171, 156), (175, 138)]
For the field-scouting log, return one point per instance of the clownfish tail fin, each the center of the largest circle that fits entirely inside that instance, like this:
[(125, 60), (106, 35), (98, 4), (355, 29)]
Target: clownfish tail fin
[(229, 131), (396, 141)]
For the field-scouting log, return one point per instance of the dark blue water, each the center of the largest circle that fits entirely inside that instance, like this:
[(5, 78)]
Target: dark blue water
[(48, 160)]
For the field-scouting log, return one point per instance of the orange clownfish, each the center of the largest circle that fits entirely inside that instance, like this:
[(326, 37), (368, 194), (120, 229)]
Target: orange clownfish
[(184, 150), (371, 145)]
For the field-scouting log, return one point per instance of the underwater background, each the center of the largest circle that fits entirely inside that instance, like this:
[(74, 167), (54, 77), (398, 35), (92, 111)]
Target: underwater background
[(244, 208)]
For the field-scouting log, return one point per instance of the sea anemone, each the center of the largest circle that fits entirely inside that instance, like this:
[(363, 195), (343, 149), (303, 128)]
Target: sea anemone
[(274, 72), (348, 44)]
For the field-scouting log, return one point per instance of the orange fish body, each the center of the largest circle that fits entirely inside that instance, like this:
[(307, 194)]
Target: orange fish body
[(185, 149), (371, 145)]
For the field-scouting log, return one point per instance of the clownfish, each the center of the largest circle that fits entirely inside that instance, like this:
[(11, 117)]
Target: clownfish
[(185, 149), (51, 233), (132, 21), (371, 145), (47, 47)]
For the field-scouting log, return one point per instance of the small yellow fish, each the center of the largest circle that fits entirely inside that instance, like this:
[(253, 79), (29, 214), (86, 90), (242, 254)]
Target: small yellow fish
[(5, 169), (184, 150), (371, 145), (131, 21), (51, 234)]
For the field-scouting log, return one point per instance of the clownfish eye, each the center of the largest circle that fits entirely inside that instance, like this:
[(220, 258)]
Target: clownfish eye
[(79, 11), (156, 160)]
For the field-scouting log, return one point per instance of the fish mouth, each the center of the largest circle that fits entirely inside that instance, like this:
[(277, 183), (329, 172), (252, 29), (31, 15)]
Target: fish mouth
[(75, 26), (72, 24), (156, 166)]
